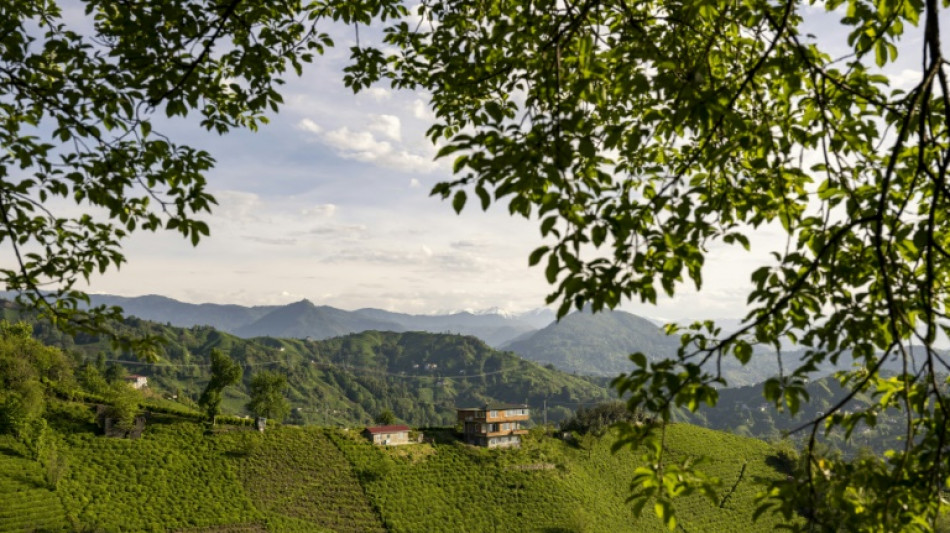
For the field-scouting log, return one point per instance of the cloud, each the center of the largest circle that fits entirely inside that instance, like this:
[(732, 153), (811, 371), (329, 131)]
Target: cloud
[(367, 255), (238, 206), (359, 145), (466, 244), (421, 111), (377, 93), (340, 230), (309, 126), (321, 210), (906, 78), (414, 183), (363, 146), (386, 125), (277, 241)]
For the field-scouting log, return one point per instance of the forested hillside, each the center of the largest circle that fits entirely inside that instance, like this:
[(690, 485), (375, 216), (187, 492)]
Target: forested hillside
[(420, 377), (743, 411)]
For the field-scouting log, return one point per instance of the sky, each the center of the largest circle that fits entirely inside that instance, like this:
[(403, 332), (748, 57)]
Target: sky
[(330, 202)]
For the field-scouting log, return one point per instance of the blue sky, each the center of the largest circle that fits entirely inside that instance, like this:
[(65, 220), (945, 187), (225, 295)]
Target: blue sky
[(330, 202)]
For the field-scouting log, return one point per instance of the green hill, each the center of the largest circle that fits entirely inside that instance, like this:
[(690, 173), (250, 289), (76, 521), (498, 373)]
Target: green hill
[(420, 377), (176, 477)]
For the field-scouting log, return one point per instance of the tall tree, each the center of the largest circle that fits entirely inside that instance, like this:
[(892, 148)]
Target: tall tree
[(27, 369), (642, 134), (224, 373), (267, 395)]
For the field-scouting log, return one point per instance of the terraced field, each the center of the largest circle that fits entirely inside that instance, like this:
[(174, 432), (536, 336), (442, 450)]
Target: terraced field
[(298, 473), (27, 502), (177, 477), (550, 485)]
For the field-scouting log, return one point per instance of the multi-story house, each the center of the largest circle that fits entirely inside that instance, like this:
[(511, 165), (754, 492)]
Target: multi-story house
[(494, 425)]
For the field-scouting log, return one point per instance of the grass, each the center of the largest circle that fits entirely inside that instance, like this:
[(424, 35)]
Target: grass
[(178, 477)]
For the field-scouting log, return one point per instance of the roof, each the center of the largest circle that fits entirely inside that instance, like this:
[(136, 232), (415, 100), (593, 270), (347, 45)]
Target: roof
[(495, 406), (386, 429), (135, 376)]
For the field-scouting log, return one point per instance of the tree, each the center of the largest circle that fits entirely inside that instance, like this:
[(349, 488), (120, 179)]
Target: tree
[(642, 134), (224, 373), (267, 396), (27, 369), (385, 418), (598, 419), (80, 93)]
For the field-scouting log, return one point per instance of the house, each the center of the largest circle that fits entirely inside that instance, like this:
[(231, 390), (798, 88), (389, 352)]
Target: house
[(494, 425), (137, 381), (388, 435)]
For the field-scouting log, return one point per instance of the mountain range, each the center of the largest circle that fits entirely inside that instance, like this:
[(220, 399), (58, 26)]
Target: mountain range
[(596, 344), (304, 319)]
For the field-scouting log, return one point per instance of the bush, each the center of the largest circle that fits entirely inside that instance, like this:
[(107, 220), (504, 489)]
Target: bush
[(599, 418)]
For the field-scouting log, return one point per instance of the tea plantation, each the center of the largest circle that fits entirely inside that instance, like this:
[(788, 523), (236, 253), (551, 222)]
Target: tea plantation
[(180, 477)]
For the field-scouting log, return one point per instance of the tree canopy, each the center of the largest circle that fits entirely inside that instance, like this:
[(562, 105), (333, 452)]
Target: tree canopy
[(267, 396), (224, 373), (80, 91), (640, 135)]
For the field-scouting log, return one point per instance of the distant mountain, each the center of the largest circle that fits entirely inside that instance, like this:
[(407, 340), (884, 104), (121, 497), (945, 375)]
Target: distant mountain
[(168, 311), (599, 344), (303, 319), (595, 343), (493, 328), (306, 320)]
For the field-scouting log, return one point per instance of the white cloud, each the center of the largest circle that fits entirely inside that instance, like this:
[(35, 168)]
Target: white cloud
[(237, 206), (322, 210), (363, 146), (387, 125), (906, 78), (309, 126), (359, 145), (414, 183), (377, 93), (421, 111)]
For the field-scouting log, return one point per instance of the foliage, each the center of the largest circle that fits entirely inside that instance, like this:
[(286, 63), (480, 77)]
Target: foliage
[(27, 367), (267, 396), (420, 377), (385, 418), (83, 88), (599, 418), (29, 504), (644, 135), (179, 477), (298, 473), (124, 402), (549, 485), (224, 373)]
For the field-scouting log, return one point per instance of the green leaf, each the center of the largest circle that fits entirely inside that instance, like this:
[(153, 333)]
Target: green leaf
[(458, 201)]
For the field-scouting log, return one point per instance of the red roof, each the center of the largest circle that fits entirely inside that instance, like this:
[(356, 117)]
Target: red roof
[(386, 429)]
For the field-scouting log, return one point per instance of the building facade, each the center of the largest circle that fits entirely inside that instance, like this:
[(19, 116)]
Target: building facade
[(494, 425), (388, 435)]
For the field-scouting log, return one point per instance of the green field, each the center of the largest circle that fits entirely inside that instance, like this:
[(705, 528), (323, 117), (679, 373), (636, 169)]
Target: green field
[(180, 477)]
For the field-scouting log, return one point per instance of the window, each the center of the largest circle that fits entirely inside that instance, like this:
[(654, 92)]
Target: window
[(494, 414)]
